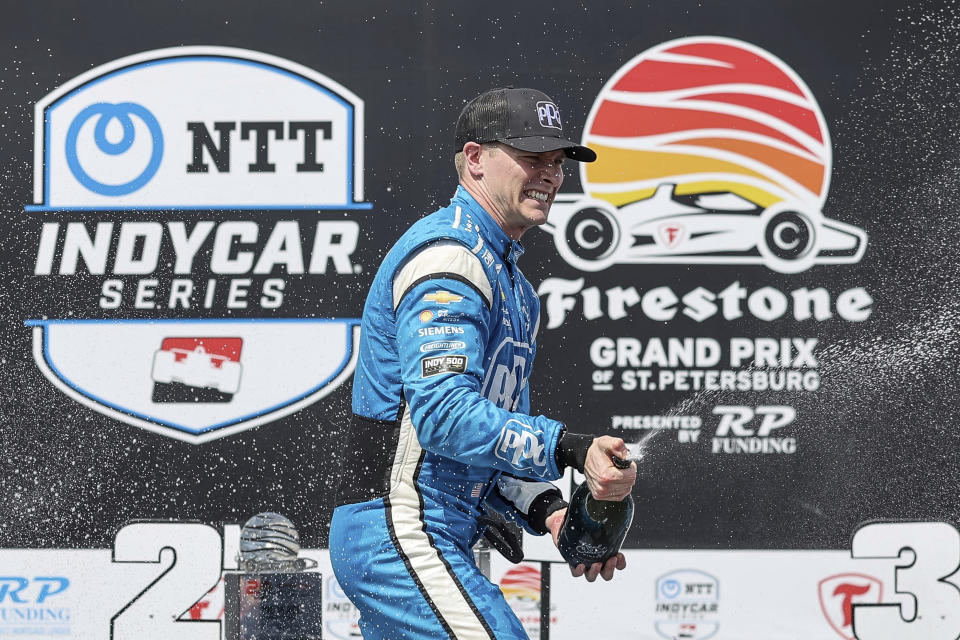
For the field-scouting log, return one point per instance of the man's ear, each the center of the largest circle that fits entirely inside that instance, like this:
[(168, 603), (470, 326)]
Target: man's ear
[(472, 153)]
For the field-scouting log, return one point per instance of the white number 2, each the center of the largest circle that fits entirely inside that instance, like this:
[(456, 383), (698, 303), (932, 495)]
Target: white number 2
[(928, 552), (190, 555)]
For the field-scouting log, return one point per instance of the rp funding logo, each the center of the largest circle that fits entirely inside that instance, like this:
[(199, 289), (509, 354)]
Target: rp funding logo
[(710, 151)]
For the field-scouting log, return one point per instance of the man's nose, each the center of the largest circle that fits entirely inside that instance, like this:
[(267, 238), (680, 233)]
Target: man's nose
[(552, 172)]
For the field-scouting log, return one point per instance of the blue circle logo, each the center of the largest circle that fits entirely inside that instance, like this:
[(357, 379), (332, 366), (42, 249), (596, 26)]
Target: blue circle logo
[(670, 588), (105, 114)]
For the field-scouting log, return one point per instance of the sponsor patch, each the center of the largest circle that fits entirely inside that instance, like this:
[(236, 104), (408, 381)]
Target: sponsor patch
[(443, 345), (426, 316), (442, 297), (442, 364), (520, 446), (438, 331)]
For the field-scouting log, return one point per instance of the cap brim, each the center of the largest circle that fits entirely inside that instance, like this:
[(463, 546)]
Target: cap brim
[(539, 144)]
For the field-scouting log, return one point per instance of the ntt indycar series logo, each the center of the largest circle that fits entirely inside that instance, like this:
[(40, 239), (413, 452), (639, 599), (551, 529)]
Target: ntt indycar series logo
[(198, 187), (199, 127), (687, 608), (710, 151)]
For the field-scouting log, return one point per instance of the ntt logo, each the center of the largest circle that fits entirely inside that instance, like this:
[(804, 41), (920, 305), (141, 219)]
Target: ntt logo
[(114, 121), (199, 128)]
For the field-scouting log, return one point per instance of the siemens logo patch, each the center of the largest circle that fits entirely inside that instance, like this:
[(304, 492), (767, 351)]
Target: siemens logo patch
[(442, 364), (439, 331)]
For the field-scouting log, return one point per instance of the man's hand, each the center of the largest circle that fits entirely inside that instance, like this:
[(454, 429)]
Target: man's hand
[(605, 480), (602, 569)]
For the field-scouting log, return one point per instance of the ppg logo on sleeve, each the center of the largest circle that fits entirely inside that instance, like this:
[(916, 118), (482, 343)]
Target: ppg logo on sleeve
[(549, 115), (520, 445)]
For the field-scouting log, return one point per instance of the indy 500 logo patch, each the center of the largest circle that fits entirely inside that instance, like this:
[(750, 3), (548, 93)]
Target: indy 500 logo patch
[(442, 364)]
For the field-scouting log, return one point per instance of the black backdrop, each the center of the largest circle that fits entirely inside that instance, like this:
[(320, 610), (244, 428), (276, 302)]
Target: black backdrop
[(877, 440)]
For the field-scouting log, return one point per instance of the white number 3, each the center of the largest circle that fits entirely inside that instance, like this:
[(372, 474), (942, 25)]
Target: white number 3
[(928, 553)]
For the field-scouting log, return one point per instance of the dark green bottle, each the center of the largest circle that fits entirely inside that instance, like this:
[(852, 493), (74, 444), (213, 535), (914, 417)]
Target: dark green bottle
[(593, 530)]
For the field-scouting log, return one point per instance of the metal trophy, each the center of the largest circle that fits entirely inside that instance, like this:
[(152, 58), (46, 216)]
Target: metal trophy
[(272, 597)]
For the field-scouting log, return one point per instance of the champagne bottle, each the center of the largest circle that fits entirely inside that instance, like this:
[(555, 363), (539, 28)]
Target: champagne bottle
[(593, 530)]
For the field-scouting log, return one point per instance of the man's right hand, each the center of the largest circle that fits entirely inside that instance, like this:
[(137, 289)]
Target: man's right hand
[(605, 480)]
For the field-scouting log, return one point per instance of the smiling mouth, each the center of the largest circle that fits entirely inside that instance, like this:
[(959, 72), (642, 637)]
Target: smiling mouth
[(536, 195)]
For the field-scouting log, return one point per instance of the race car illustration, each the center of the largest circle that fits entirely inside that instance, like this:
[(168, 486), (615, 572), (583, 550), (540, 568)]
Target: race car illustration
[(196, 368), (700, 228)]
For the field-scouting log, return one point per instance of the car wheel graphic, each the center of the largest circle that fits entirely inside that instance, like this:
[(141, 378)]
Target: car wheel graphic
[(789, 238), (589, 238)]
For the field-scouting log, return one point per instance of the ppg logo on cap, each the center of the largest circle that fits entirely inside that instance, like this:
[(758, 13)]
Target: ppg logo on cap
[(549, 115)]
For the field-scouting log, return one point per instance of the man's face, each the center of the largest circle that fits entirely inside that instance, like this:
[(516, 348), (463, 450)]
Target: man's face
[(521, 185)]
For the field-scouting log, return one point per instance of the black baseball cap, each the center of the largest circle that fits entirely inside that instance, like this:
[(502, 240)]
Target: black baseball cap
[(525, 119)]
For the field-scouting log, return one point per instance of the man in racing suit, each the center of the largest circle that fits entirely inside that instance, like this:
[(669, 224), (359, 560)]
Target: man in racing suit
[(441, 427)]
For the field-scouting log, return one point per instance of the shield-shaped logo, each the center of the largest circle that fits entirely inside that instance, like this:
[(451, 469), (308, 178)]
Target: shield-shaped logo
[(207, 379), (672, 235), (838, 593), (687, 605)]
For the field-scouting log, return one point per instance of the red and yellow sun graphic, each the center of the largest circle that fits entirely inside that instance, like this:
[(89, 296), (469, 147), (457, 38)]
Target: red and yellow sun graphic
[(708, 114)]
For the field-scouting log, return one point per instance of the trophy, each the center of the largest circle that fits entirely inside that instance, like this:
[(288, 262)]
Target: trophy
[(272, 597)]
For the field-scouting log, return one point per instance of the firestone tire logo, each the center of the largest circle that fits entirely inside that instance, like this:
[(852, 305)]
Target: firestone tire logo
[(838, 594), (710, 151)]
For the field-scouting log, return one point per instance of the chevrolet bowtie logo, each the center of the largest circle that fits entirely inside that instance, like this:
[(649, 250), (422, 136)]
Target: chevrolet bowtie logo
[(442, 297)]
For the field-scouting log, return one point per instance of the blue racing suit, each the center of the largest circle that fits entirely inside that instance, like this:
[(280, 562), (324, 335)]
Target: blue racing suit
[(441, 429)]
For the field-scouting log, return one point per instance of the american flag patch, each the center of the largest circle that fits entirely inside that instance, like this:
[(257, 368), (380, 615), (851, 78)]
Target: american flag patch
[(477, 490)]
